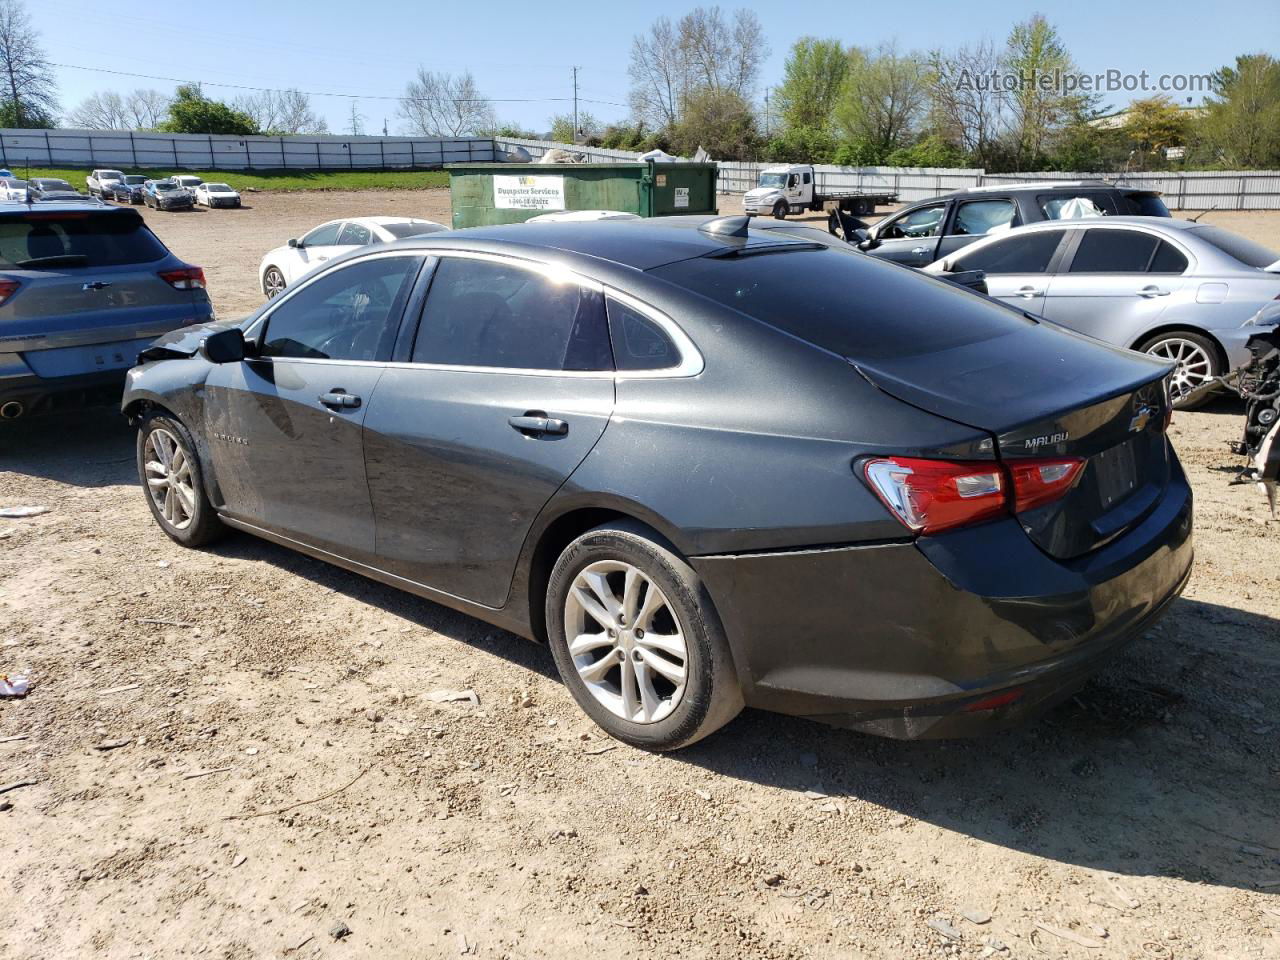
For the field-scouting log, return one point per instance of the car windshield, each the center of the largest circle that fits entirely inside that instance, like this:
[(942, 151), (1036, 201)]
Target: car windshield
[(896, 313), (402, 230), (773, 179), (76, 239), (1247, 251), (166, 185), (218, 188), (134, 180), (47, 184), (110, 175)]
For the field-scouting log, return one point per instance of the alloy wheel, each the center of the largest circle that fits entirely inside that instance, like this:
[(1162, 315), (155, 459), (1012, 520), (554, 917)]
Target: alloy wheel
[(1194, 365), (274, 283), (626, 642), (169, 479)]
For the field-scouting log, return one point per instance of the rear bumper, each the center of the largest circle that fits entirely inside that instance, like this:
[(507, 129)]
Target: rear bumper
[(914, 640), (41, 395)]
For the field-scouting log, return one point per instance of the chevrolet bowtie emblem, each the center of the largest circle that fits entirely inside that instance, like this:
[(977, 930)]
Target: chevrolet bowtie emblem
[(1140, 419)]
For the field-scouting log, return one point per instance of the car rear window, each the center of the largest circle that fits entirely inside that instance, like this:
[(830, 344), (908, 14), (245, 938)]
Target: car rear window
[(1247, 251), (858, 307), (1147, 205), (403, 230), (76, 239)]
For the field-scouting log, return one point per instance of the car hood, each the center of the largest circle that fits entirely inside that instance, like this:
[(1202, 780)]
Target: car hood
[(760, 192), (182, 342)]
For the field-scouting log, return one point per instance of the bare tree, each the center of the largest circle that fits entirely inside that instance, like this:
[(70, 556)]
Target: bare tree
[(965, 103), (659, 75), (281, 112), (25, 74), (445, 103), (147, 109), (704, 51), (101, 111)]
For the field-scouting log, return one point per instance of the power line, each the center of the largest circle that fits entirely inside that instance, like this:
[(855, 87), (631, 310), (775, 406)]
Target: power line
[(348, 96)]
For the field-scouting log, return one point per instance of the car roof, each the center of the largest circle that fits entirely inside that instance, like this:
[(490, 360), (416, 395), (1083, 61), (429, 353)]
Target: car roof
[(639, 244), (1042, 186), (91, 206), (1155, 223)]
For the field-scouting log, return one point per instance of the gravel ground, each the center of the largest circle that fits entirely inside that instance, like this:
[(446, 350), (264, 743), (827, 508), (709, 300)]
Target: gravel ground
[(281, 783)]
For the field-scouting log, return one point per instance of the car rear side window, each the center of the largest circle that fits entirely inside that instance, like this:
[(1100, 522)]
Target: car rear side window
[(1076, 206), (354, 234), (859, 307), (1029, 253), (1168, 259), (1114, 251), (486, 313), (1146, 205), (638, 342), (76, 239), (350, 313), (974, 218)]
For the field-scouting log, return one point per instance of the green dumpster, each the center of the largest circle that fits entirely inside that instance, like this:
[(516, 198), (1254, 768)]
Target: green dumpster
[(488, 193)]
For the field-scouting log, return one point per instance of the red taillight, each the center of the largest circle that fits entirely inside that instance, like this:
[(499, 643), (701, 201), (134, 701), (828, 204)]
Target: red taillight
[(188, 278), (930, 496), (995, 701), (7, 289), (933, 495), (1037, 482)]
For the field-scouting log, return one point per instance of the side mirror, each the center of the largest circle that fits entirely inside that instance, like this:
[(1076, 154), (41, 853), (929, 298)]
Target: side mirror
[(869, 243), (295, 242), (225, 346)]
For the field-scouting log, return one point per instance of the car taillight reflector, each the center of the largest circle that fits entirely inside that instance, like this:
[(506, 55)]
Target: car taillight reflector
[(7, 289), (929, 496), (1037, 482), (188, 278)]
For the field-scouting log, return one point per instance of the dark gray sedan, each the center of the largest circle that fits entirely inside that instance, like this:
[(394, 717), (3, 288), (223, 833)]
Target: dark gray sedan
[(672, 454)]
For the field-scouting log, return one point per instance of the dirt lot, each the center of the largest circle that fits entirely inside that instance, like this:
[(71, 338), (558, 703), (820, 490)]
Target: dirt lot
[(282, 768)]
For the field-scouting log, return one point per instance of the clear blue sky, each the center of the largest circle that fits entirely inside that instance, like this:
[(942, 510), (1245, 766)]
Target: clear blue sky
[(524, 50)]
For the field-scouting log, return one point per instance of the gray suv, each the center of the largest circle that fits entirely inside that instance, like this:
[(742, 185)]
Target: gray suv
[(931, 229), (83, 289)]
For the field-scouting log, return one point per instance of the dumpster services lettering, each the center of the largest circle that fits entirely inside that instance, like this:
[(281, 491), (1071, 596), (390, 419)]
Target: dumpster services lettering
[(528, 193)]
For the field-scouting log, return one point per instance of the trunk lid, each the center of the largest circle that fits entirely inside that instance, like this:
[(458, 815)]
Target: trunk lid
[(1046, 393)]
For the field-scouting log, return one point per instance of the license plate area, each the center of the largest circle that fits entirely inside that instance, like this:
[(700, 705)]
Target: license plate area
[(1116, 473)]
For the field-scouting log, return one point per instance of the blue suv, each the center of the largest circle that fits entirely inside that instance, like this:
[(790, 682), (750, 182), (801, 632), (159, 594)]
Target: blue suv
[(83, 288)]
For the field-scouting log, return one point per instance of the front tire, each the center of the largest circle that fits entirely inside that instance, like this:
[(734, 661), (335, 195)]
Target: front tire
[(173, 482), (273, 283), (1197, 362), (637, 640), (780, 210)]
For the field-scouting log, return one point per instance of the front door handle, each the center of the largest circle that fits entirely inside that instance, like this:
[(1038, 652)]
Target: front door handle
[(1151, 291), (1027, 292), (339, 398), (535, 423)]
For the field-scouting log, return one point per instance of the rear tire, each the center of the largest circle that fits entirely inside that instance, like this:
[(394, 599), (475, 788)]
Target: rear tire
[(173, 482), (662, 691), (1197, 362)]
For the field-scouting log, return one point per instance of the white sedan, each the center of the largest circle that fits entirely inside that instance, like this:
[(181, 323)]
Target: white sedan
[(217, 195), (286, 265)]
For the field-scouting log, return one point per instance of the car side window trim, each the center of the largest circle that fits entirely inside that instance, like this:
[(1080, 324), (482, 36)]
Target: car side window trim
[(258, 326), (691, 362)]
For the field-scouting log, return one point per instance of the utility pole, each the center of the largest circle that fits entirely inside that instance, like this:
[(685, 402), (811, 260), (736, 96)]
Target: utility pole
[(766, 112), (575, 105)]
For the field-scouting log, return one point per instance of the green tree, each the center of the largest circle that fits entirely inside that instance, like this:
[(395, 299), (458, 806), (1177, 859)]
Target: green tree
[(1154, 125), (1241, 125), (882, 98), (193, 112), (28, 93), (802, 145), (858, 153), (932, 151), (589, 128), (722, 122), (812, 77), (1035, 56)]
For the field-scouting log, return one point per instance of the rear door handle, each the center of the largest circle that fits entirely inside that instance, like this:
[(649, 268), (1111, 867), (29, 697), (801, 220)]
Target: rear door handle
[(1027, 292), (535, 423), (339, 398), (1151, 291), (919, 250)]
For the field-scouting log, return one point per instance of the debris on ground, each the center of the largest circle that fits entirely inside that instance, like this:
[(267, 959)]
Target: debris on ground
[(1070, 935), (14, 686), (454, 696), (947, 930), (338, 930), (17, 513)]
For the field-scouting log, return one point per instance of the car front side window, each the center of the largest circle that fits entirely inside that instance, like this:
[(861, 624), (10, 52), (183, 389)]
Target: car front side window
[(325, 235), (488, 313), (352, 313), (924, 222)]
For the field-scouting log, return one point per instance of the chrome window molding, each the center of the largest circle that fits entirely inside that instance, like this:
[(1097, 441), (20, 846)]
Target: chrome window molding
[(691, 362)]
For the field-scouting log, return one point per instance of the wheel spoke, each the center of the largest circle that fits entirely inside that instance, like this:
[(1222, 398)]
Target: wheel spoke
[(595, 672), (632, 582), (585, 642), (591, 606), (650, 702), (653, 602), (672, 671), (600, 587), (168, 503), (670, 644), (187, 500), (630, 691)]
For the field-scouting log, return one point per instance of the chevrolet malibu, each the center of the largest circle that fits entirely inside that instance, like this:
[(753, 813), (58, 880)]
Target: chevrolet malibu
[(671, 454)]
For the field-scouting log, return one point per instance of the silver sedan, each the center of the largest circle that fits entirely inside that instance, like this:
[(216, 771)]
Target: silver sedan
[(1172, 288)]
